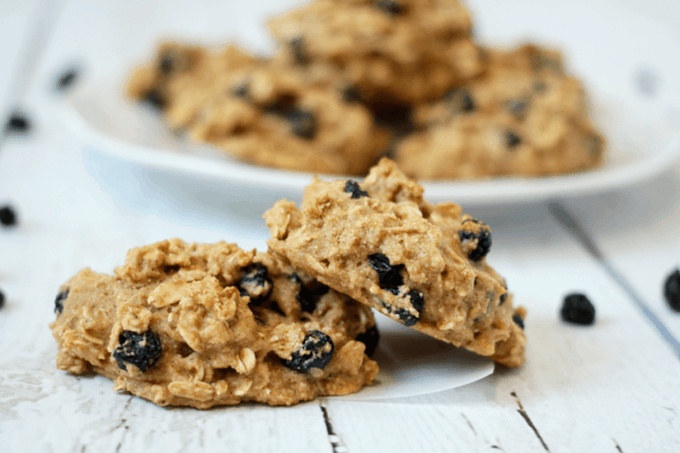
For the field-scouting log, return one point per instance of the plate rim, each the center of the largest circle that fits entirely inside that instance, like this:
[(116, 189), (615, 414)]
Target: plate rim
[(475, 192)]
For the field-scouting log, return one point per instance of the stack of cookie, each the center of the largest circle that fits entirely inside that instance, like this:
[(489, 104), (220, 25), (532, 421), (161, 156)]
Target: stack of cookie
[(210, 324), (358, 79)]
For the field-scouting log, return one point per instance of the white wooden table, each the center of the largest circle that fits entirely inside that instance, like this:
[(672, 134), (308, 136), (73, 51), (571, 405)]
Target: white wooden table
[(611, 387)]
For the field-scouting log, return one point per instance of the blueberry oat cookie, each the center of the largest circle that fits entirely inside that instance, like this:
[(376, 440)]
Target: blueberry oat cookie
[(403, 50), (261, 111), (182, 78), (523, 116), (210, 324), (424, 265)]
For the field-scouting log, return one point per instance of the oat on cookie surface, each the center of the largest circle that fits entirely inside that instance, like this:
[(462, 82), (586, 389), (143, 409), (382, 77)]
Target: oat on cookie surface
[(210, 324), (404, 50), (424, 265), (523, 116), (260, 110)]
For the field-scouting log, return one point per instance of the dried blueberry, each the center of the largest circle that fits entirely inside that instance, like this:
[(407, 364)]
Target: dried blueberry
[(351, 94), (282, 106), (316, 351), (577, 309), (512, 139), (394, 116), (517, 107), (406, 317), (17, 123), (59, 302), (170, 60), (139, 349), (482, 238), (8, 217), (460, 100), (370, 339), (352, 187), (2, 299), (154, 98), (518, 320), (306, 299), (671, 290), (67, 79), (309, 295), (165, 65), (302, 123), (417, 302), (299, 50), (389, 275), (392, 7), (503, 298), (242, 90), (255, 283)]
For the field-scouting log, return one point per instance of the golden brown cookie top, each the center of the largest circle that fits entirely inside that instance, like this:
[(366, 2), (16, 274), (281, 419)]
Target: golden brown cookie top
[(524, 116), (407, 50)]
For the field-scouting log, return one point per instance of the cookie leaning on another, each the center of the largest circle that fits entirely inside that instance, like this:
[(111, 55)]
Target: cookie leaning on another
[(424, 265), (210, 324)]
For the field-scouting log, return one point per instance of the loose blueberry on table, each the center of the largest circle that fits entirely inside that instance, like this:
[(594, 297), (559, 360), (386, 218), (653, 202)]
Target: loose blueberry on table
[(17, 123), (67, 79), (671, 290), (8, 217), (577, 309)]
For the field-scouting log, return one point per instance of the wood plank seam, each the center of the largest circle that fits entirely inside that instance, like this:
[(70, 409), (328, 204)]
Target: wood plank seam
[(335, 440), (573, 226), (469, 424), (527, 419), (122, 423)]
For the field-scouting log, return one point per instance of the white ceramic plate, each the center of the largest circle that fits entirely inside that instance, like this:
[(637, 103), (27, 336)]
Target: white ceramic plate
[(630, 66), (413, 364)]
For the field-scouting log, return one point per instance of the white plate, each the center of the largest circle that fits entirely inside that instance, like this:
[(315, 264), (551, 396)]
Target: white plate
[(611, 48), (413, 364)]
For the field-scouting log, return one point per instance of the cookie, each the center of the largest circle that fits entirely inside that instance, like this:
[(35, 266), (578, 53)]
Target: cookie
[(385, 246), (210, 324), (404, 51), (261, 111), (523, 116)]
